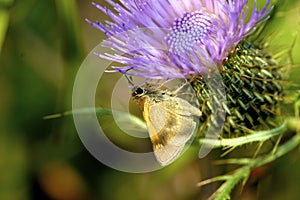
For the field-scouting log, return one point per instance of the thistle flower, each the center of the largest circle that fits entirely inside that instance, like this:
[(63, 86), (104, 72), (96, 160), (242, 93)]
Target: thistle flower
[(170, 39), (176, 38)]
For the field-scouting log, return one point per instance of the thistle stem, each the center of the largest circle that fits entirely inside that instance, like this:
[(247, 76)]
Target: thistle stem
[(242, 173)]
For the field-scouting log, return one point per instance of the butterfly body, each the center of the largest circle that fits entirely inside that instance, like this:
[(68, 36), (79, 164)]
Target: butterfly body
[(170, 120)]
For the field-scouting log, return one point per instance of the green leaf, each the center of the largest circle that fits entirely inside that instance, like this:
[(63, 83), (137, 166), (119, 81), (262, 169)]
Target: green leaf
[(126, 118), (255, 136), (4, 19)]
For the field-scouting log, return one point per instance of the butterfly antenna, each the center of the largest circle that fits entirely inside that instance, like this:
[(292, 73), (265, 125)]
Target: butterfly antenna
[(130, 80)]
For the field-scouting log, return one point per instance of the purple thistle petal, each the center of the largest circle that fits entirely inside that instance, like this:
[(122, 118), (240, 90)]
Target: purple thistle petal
[(168, 39)]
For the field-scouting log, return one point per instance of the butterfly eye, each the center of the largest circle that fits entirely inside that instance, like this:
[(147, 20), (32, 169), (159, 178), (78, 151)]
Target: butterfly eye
[(139, 91)]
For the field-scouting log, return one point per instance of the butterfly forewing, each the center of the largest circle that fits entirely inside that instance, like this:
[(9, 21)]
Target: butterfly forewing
[(171, 122), (168, 153)]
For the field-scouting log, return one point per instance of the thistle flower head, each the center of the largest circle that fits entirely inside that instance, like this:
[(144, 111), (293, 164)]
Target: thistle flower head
[(176, 38)]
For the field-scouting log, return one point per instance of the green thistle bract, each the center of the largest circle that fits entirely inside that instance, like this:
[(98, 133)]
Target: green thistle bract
[(253, 85)]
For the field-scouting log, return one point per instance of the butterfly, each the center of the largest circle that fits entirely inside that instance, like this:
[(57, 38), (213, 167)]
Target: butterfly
[(171, 119)]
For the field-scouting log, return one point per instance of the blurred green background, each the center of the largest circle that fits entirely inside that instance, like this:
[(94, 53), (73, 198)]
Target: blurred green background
[(42, 44)]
